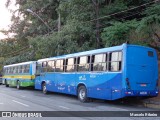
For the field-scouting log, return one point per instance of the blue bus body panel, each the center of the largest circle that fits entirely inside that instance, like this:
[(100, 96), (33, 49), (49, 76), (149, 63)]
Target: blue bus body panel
[(137, 66), (99, 85), (105, 86), (142, 70)]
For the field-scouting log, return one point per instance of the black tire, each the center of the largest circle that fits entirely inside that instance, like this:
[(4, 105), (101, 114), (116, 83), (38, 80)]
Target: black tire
[(44, 88), (82, 94), (6, 83), (18, 85)]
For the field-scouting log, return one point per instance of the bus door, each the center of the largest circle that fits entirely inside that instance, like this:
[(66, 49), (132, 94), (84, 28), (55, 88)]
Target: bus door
[(41, 70), (38, 76), (47, 75)]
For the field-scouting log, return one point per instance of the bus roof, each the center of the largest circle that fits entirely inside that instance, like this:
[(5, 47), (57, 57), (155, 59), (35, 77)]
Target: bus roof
[(17, 64), (96, 51)]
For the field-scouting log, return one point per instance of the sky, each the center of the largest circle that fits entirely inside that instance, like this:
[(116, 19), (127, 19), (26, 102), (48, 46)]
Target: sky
[(5, 19)]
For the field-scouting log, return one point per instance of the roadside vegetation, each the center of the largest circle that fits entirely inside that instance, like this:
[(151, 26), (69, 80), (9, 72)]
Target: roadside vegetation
[(78, 25)]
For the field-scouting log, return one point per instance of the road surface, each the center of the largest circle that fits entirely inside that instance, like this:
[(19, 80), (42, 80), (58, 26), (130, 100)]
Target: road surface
[(28, 99)]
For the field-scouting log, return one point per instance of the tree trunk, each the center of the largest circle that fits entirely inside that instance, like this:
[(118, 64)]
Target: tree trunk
[(96, 7)]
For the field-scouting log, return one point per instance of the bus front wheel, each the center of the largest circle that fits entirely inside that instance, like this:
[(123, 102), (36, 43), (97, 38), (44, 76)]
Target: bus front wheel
[(44, 88), (82, 94)]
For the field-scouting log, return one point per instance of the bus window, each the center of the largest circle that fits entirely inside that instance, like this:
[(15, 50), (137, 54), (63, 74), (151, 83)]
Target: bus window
[(83, 64), (51, 66), (18, 69), (59, 66), (11, 70), (22, 68), (14, 70), (99, 62), (38, 68), (115, 60), (6, 72), (44, 66), (70, 65), (150, 53), (27, 68)]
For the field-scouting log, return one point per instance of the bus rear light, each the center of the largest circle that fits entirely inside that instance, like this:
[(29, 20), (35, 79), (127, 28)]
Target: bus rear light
[(129, 93)]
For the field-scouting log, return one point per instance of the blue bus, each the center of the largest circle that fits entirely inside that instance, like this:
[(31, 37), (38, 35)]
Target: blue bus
[(20, 74), (109, 73)]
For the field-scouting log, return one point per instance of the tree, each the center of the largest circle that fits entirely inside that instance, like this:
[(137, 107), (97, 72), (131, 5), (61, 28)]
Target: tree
[(79, 25)]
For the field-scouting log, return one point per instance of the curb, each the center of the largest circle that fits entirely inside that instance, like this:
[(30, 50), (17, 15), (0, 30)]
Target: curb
[(152, 104)]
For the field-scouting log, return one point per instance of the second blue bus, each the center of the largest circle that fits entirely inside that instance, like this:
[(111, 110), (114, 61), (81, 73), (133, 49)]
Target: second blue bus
[(108, 73)]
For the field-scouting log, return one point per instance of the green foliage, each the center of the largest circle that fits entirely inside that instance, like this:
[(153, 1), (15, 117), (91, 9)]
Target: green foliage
[(118, 33), (76, 27), (143, 32)]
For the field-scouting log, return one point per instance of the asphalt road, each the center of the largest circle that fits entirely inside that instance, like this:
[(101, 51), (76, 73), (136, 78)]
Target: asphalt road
[(28, 99)]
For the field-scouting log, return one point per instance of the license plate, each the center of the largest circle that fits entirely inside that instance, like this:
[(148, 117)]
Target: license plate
[(143, 85), (143, 93)]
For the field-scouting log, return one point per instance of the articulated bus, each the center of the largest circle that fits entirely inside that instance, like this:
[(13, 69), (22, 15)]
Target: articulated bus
[(19, 75), (108, 73)]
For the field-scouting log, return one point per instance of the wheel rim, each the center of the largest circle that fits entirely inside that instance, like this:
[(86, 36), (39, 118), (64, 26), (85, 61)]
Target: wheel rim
[(82, 94), (44, 89)]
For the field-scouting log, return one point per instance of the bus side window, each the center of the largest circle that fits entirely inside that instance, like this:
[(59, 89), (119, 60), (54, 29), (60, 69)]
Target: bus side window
[(18, 71), (28, 68), (23, 68), (115, 61), (49, 66), (70, 65), (99, 62), (44, 66), (59, 66), (83, 64), (5, 69), (14, 70), (53, 66), (38, 68), (9, 70)]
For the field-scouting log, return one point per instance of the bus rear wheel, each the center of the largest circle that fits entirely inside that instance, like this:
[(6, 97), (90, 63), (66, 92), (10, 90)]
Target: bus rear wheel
[(82, 94), (18, 85), (44, 88)]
